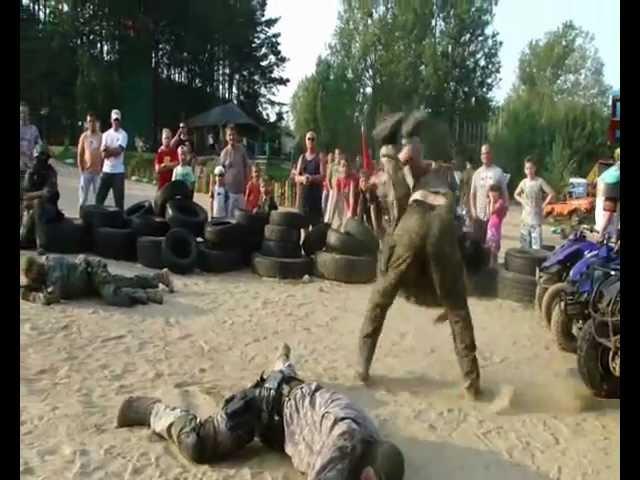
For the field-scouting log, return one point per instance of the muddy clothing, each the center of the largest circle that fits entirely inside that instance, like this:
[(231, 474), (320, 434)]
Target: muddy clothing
[(85, 277), (42, 177)]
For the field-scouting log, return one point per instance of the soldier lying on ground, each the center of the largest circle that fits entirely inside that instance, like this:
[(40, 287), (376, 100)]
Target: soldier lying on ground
[(421, 255), (54, 277), (326, 435)]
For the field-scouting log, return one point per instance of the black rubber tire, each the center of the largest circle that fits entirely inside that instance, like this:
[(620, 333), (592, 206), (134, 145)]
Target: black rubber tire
[(94, 216), (315, 239), (283, 268), (548, 248), (149, 226), (524, 260), (219, 261), (291, 219), (362, 232), (549, 300), (516, 287), (70, 235), (474, 254), (144, 207), (561, 330), (276, 233), (224, 234), (179, 251), (346, 244), (483, 284), (255, 221), (186, 214), (270, 248), (593, 369), (115, 243), (171, 191), (150, 252), (345, 268)]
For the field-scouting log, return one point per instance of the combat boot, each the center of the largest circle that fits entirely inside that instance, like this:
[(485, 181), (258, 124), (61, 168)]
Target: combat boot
[(472, 390), (387, 131), (136, 412), (154, 296), (164, 277)]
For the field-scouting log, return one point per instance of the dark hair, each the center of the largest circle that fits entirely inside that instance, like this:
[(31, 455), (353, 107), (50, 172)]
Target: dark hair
[(230, 128), (496, 188), (91, 115), (529, 159)]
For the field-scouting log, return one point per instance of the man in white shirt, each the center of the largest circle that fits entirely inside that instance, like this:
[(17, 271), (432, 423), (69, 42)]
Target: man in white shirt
[(114, 143), (487, 175)]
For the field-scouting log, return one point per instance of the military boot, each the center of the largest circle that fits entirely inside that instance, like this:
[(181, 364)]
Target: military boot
[(136, 411), (154, 296), (164, 277), (387, 131)]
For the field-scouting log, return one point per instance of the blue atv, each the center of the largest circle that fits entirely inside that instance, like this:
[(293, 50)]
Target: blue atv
[(555, 270), (571, 311)]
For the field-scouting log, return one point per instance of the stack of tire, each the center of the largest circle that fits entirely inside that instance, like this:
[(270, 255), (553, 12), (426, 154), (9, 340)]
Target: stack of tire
[(517, 277), (280, 254), (223, 249), (254, 224), (110, 232), (349, 256), (68, 235)]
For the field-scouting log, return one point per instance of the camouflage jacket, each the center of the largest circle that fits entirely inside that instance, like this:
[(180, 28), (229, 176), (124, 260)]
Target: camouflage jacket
[(66, 279)]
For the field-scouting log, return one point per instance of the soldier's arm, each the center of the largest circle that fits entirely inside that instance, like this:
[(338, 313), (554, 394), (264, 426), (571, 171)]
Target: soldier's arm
[(43, 297)]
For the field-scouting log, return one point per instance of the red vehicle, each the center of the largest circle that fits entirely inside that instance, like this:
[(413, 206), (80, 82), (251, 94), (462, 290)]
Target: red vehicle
[(614, 122)]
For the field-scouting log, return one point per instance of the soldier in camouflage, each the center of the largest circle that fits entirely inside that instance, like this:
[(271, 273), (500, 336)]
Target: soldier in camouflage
[(54, 278), (421, 257), (326, 435)]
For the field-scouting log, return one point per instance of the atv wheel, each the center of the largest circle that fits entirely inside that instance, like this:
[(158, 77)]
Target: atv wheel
[(593, 365), (562, 329)]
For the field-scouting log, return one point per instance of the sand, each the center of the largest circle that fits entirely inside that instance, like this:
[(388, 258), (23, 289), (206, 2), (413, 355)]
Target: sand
[(80, 359)]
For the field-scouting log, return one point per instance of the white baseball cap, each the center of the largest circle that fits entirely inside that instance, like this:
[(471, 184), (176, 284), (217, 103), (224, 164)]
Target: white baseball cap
[(219, 170), (116, 114)]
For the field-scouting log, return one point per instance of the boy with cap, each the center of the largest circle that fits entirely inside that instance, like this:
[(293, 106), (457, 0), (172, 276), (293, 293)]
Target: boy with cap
[(218, 194), (114, 143)]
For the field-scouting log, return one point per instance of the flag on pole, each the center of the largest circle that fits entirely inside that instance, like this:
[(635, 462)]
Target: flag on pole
[(367, 162)]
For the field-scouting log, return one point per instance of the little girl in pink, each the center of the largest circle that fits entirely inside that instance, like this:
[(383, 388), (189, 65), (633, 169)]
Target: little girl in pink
[(497, 212)]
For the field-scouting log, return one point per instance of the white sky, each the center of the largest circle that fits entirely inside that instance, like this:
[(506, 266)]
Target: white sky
[(307, 27)]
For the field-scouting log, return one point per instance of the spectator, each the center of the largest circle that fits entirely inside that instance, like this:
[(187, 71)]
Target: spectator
[(236, 164), (89, 159), (369, 210), (608, 201), (347, 188), (267, 203), (182, 136), (534, 194), (192, 158), (184, 172), (29, 139), (497, 208), (252, 192), (310, 175), (326, 185), (220, 196), (332, 178), (488, 174), (166, 160), (211, 140), (114, 143)]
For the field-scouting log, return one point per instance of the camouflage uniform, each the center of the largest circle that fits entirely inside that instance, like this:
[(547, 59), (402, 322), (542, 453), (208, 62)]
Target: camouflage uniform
[(84, 277)]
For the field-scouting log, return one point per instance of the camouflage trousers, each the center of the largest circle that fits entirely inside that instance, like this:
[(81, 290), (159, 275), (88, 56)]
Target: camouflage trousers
[(120, 290), (425, 240)]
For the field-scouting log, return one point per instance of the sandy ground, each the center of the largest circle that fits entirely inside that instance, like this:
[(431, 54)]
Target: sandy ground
[(79, 360)]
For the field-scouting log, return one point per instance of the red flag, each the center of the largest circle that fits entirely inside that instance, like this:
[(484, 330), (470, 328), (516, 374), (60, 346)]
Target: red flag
[(367, 163)]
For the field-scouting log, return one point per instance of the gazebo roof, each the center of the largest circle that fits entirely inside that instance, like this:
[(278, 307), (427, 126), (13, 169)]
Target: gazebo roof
[(221, 115)]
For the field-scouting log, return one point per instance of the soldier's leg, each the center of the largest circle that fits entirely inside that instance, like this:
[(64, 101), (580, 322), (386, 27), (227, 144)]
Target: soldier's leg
[(283, 361)]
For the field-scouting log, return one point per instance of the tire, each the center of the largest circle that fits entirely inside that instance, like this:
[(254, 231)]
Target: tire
[(345, 268), (474, 255), (171, 191), (255, 221), (283, 268), (70, 235), (186, 214), (280, 249), (561, 327), (548, 248), (595, 372), (524, 260), (219, 261), (115, 243), (362, 232), (179, 251), (516, 286), (315, 239), (94, 216), (284, 218), (149, 226), (145, 207), (549, 301), (345, 244), (276, 233), (150, 252), (223, 234), (483, 284)]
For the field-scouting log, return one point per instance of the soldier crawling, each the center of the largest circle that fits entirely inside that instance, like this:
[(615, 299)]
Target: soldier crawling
[(421, 256), (56, 278), (326, 435)]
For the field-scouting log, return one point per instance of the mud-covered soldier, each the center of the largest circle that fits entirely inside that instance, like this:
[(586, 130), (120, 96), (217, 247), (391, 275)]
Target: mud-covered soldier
[(326, 435), (40, 197), (421, 256), (53, 278)]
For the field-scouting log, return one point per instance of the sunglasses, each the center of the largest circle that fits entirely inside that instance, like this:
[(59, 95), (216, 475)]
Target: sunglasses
[(311, 139)]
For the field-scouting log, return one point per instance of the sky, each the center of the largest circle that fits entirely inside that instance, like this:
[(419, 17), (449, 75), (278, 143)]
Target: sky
[(308, 25)]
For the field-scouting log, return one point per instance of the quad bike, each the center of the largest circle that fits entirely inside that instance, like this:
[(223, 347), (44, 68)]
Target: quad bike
[(599, 340), (571, 311), (555, 270)]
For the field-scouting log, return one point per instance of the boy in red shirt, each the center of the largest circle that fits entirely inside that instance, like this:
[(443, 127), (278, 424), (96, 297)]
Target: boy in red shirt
[(252, 191), (166, 160), (347, 188)]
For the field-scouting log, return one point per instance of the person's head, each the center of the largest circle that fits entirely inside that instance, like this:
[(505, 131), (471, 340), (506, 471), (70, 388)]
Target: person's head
[(92, 124), (529, 167), (382, 461), (42, 154), (363, 180), (231, 134), (265, 186), (188, 147), (183, 130), (495, 192), (34, 271), (218, 174), (255, 172), (166, 137), (310, 140), (116, 118), (344, 168), (183, 157), (24, 114), (337, 154), (330, 158), (485, 155)]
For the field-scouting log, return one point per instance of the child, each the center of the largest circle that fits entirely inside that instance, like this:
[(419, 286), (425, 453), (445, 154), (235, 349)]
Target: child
[(166, 160), (184, 171), (346, 188), (368, 209), (267, 204), (531, 194), (219, 195), (252, 192), (497, 212)]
